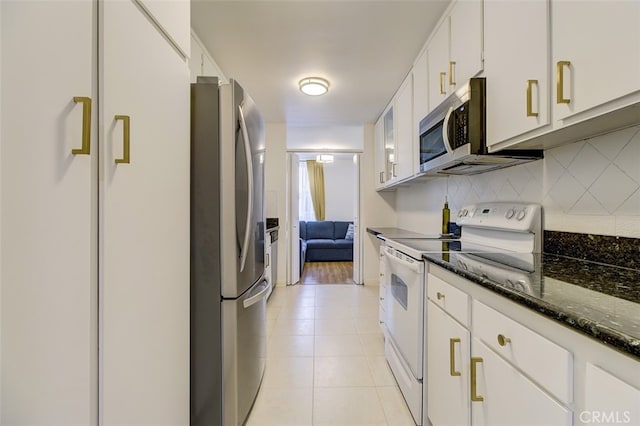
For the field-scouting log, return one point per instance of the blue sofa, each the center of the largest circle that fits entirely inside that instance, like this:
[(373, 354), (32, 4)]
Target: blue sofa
[(324, 241)]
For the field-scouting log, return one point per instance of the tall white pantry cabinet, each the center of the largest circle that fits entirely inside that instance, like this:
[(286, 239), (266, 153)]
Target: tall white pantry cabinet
[(94, 212)]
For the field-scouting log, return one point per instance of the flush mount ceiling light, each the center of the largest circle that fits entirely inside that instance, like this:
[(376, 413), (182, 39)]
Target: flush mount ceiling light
[(324, 158), (314, 86)]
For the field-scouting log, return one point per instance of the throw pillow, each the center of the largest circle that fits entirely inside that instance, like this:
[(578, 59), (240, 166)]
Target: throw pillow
[(349, 235)]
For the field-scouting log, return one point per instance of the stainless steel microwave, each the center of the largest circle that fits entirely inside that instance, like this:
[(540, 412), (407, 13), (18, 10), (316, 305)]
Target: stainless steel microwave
[(453, 137)]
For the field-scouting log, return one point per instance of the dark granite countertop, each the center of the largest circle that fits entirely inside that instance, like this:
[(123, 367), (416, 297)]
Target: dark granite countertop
[(396, 233), (600, 300), (578, 282)]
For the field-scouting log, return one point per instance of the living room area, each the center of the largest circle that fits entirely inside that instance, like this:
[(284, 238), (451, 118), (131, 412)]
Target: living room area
[(327, 204)]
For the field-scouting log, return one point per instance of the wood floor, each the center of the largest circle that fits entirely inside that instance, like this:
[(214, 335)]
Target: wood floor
[(327, 273)]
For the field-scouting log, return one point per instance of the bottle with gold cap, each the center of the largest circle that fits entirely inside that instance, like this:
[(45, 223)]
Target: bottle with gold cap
[(445, 217)]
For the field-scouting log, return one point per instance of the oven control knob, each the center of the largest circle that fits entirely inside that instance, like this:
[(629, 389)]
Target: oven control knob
[(464, 212), (521, 215), (509, 214)]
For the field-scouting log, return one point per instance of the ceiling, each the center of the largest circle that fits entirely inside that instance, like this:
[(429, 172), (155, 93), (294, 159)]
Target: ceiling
[(364, 48)]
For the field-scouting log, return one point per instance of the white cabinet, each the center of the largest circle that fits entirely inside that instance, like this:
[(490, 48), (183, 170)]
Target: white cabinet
[(380, 176), (499, 373), (609, 399), (420, 93), (405, 164), (395, 139), (174, 18), (502, 395), (465, 59), (49, 280), (516, 54), (448, 349), (382, 307), (389, 143), (596, 59), (95, 255), (438, 65), (455, 50), (144, 227)]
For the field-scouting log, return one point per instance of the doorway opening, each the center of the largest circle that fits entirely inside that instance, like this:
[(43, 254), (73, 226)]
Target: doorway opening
[(323, 209)]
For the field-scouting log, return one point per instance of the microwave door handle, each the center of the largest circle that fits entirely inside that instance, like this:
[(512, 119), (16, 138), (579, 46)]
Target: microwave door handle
[(247, 150), (445, 131)]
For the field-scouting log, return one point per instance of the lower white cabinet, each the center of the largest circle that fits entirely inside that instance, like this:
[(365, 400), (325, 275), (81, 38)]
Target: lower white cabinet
[(609, 399), (502, 395), (448, 349), (382, 309)]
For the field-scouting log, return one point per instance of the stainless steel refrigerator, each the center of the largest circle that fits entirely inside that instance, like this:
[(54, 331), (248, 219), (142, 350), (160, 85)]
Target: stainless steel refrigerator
[(228, 285)]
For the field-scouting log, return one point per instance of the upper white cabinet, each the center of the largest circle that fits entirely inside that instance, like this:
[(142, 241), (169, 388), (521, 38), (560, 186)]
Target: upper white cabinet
[(405, 164), (516, 55), (420, 93), (455, 50), (596, 59), (465, 59), (174, 19), (95, 217), (395, 139), (380, 176), (438, 65), (573, 78)]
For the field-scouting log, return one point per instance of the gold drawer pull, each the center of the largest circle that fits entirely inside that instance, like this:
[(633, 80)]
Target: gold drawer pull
[(442, 77), (381, 177), (452, 81), (126, 141), (530, 112), (452, 357), (474, 391), (503, 340), (560, 82), (86, 125), (440, 296)]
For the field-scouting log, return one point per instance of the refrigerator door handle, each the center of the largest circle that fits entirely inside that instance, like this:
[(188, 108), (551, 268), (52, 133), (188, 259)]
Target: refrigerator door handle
[(247, 151), (262, 294)]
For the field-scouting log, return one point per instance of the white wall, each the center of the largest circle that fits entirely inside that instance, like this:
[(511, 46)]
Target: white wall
[(334, 138), (275, 186), (339, 188), (201, 62), (591, 186)]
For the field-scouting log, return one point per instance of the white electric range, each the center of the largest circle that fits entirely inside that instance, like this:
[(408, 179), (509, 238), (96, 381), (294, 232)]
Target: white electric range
[(498, 241)]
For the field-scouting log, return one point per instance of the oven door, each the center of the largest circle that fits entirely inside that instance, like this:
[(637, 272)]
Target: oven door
[(405, 304)]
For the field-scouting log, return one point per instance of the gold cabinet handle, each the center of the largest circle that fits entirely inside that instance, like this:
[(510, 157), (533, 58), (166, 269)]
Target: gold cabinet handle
[(503, 340), (86, 125), (560, 82), (381, 177), (125, 139), (440, 296), (452, 357), (452, 65), (393, 170), (530, 112), (474, 381), (442, 78)]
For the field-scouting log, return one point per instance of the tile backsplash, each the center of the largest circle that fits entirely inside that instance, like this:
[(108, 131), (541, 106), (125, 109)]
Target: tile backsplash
[(591, 186)]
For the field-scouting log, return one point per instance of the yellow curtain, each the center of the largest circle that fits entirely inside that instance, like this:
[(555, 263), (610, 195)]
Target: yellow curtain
[(316, 187)]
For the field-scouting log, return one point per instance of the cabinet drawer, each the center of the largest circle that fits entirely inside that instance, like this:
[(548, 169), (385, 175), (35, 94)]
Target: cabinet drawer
[(548, 364), (449, 298)]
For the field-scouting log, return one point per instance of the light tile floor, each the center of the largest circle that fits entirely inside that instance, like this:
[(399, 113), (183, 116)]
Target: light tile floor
[(325, 361)]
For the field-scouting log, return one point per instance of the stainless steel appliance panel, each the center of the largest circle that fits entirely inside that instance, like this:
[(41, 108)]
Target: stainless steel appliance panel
[(243, 149), (244, 347)]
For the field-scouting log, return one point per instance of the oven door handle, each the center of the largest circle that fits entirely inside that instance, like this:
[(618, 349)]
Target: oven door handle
[(415, 266), (445, 131)]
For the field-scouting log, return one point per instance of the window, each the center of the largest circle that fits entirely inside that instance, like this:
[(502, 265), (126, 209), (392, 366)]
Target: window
[(305, 207)]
